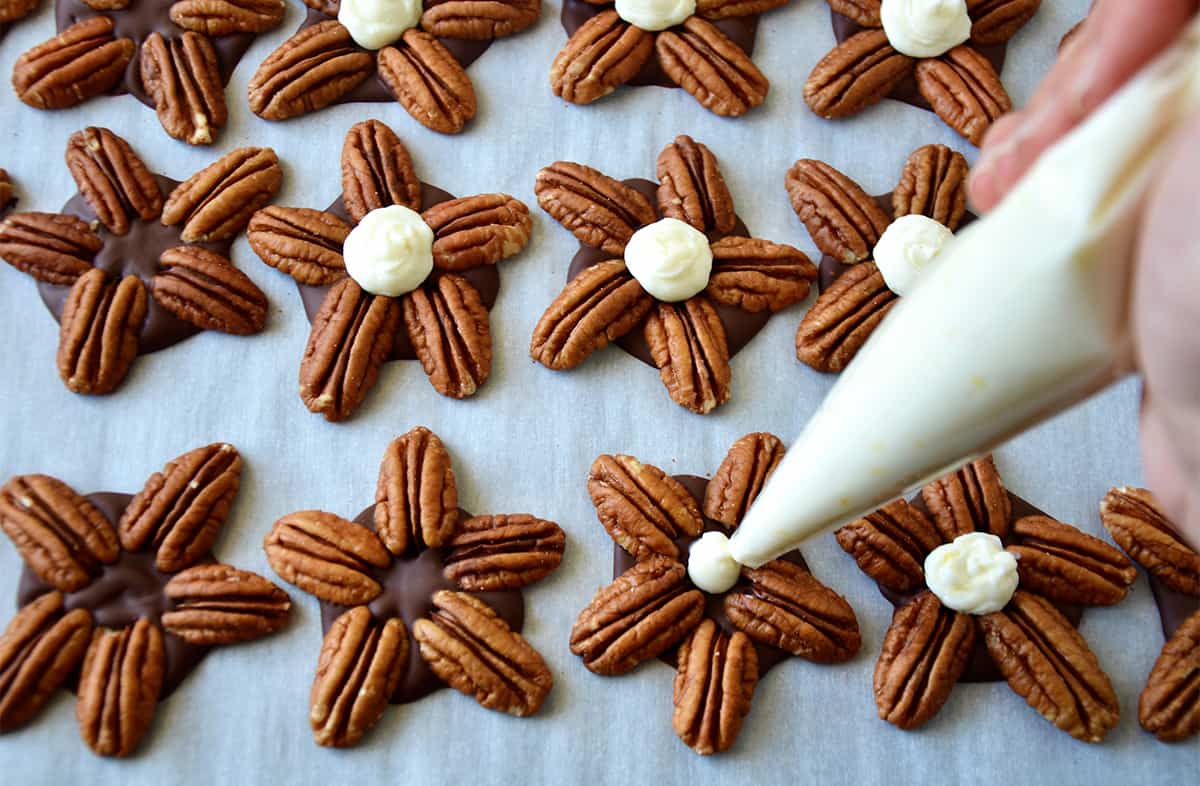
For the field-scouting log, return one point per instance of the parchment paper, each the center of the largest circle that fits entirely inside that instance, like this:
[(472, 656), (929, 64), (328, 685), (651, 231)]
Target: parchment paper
[(524, 444)]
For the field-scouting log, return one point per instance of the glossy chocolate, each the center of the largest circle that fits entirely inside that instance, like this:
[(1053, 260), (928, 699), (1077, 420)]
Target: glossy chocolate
[(135, 253), (129, 589)]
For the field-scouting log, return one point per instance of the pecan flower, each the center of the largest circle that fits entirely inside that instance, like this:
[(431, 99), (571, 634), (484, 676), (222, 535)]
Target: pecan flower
[(712, 284), (127, 272), (122, 595), (702, 46), (846, 224), (961, 84), (422, 67), (443, 321), (1031, 641), (726, 640), (173, 56), (415, 575)]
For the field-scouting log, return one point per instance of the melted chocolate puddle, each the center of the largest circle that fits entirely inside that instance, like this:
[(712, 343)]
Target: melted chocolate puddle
[(120, 594), (373, 89), (740, 325), (135, 253), (714, 608), (485, 278), (139, 21), (906, 91), (741, 30), (409, 584)]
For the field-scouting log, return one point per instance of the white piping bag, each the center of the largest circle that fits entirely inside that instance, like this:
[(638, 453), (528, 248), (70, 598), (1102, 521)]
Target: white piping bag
[(1022, 315)]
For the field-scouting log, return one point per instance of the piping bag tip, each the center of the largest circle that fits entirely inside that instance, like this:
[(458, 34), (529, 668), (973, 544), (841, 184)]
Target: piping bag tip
[(1022, 315)]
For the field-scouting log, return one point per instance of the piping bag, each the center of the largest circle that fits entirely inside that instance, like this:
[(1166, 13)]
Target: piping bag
[(1022, 315)]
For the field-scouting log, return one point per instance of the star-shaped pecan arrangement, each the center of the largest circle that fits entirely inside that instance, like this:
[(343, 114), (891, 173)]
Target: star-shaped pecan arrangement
[(173, 55), (439, 317), (420, 59), (1027, 636), (846, 224), (667, 266), (728, 636), (126, 271), (121, 596), (703, 46), (1169, 707), (960, 82), (415, 575)]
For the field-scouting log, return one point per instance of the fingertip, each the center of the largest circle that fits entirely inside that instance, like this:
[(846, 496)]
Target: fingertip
[(986, 184)]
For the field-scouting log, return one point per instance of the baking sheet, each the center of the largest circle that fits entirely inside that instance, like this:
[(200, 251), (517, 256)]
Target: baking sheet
[(525, 444)]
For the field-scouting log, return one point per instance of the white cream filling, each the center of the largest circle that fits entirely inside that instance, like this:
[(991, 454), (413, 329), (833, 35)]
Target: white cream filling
[(670, 259), (709, 565), (374, 24), (906, 248), (655, 15), (974, 574), (390, 252), (925, 28)]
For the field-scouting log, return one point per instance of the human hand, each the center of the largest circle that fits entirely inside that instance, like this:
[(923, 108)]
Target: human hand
[(1118, 38)]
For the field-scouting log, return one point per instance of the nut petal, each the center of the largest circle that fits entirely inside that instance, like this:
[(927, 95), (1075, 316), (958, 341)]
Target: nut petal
[(416, 498), (891, 544), (864, 12), (220, 604), (183, 79), (81, 62), (304, 243), (1136, 522), (602, 212), (217, 202), (857, 73), (843, 318), (742, 474), (112, 178), (728, 9), (12, 10), (479, 20), (428, 82), (326, 556), (98, 331), (119, 685), (448, 327), (38, 651), (309, 71), (494, 553), (1169, 707), (223, 17), (477, 230), (203, 288), (643, 509), (691, 188), (964, 90), (933, 184), (603, 54), (702, 60), (842, 219), (687, 342), (758, 275), (996, 21), (972, 499), (1060, 563), (376, 171), (714, 685), (53, 248)]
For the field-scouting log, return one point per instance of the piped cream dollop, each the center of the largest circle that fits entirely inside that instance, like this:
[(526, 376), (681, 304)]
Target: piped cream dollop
[(925, 28), (906, 248), (670, 259), (655, 15), (373, 24), (973, 574), (710, 566), (390, 252)]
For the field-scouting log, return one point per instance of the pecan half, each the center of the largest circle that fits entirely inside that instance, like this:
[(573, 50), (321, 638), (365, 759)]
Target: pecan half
[(202, 287), (925, 651), (312, 69), (351, 337), (1065, 565), (477, 230), (181, 509), (479, 20), (219, 604), (758, 275), (119, 684), (691, 188), (302, 242), (183, 79), (377, 171), (643, 509), (98, 331), (842, 219), (492, 553), (786, 607), (1048, 663), (112, 178), (416, 498), (864, 12), (725, 9), (964, 90), (687, 342), (598, 306), (602, 212), (223, 17), (81, 62), (360, 666), (12, 10), (448, 327), (933, 184), (60, 535), (995, 21), (644, 611), (702, 60), (428, 82), (329, 8), (857, 73), (603, 54), (327, 556), (1138, 525), (734, 487), (53, 248), (217, 202), (1168, 707), (714, 685), (843, 318), (971, 499), (8, 196), (38, 651), (891, 544), (474, 651)]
